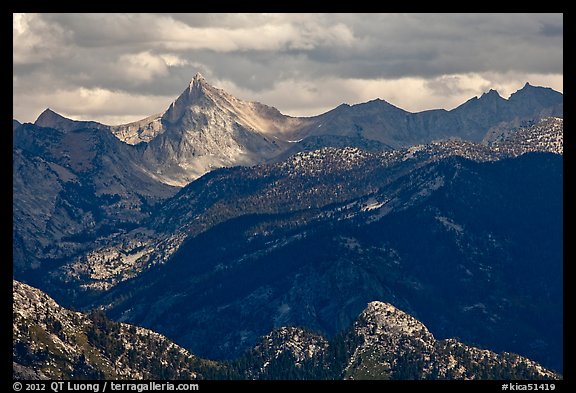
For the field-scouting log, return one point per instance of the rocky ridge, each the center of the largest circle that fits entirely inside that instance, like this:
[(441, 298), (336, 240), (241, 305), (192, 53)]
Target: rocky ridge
[(207, 128), (51, 342), (395, 345)]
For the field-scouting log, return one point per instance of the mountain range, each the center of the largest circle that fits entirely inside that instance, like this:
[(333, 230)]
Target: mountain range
[(51, 342), (220, 221), (206, 128), (82, 178)]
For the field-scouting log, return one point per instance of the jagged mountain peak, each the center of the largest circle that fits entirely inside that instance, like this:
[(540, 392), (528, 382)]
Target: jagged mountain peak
[(530, 87), (485, 106), (198, 80), (204, 99), (492, 94), (201, 98), (380, 318), (51, 119), (207, 128), (203, 105), (199, 84), (543, 101), (529, 90), (395, 345), (194, 95), (48, 116)]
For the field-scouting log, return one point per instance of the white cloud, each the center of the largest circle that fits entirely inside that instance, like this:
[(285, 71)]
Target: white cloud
[(142, 66), (34, 41), (173, 60), (102, 105), (266, 37)]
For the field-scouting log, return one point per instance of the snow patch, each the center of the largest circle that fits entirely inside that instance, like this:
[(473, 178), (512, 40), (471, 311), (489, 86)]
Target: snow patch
[(373, 204), (449, 224)]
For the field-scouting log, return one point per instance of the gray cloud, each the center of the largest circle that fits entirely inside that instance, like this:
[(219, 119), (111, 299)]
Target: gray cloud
[(153, 56), (552, 29)]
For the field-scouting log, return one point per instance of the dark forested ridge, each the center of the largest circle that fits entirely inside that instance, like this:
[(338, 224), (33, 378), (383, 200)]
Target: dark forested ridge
[(51, 342), (485, 259)]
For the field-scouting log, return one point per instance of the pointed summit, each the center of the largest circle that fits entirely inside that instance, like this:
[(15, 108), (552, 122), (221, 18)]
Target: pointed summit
[(492, 93), (385, 319), (492, 101), (47, 116), (528, 88), (197, 82), (483, 107), (51, 119), (197, 94), (198, 77), (536, 99)]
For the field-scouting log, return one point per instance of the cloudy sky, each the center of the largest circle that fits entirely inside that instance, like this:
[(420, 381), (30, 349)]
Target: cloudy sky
[(116, 68)]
